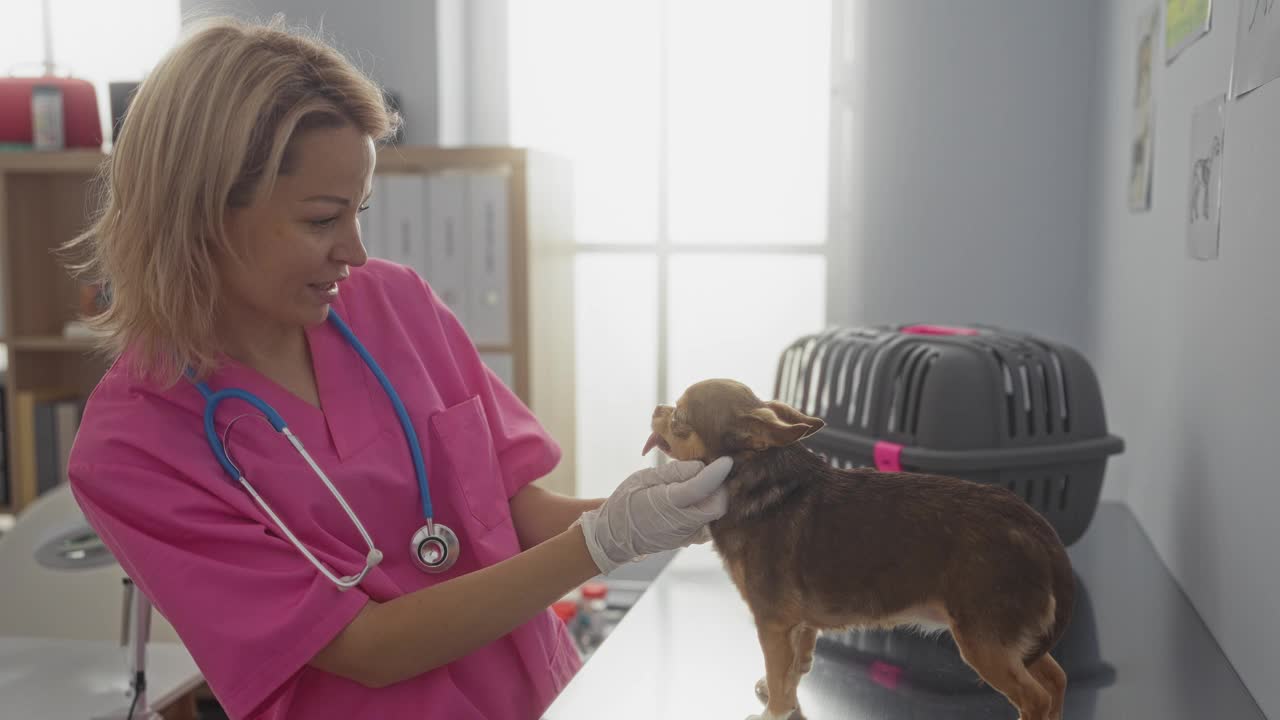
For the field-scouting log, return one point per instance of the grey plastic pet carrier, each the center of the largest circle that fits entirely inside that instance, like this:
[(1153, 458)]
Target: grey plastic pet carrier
[(973, 402)]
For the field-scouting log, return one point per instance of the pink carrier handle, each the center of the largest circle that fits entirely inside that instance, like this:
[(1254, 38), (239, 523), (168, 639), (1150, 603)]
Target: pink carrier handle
[(938, 330), (888, 456)]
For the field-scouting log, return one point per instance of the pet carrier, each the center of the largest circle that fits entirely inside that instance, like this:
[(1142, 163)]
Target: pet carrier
[(974, 402)]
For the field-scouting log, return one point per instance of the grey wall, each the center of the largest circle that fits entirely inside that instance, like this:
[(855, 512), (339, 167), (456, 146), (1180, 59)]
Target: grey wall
[(986, 179), (1185, 348), (446, 59), (970, 176)]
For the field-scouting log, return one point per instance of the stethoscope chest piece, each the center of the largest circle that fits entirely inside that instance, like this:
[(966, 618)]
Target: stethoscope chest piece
[(434, 548)]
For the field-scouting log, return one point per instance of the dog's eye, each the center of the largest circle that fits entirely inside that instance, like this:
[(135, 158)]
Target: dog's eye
[(679, 423)]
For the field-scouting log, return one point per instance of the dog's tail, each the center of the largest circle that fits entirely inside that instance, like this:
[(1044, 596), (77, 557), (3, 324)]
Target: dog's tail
[(1064, 597)]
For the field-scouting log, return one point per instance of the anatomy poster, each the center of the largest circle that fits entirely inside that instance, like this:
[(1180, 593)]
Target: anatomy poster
[(1257, 46), (1185, 21), (1205, 198), (1142, 147)]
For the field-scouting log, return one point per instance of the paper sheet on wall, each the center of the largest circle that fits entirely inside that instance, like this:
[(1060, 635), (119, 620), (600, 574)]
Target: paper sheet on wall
[(1185, 21), (1204, 202), (1144, 120), (1257, 60)]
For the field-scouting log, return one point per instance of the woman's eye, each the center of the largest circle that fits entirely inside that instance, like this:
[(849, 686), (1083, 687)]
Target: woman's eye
[(363, 207), (325, 223)]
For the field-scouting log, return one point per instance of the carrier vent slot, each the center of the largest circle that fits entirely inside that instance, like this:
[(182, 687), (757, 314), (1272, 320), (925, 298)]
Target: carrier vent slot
[(1010, 405), (868, 393), (1048, 403), (780, 389), (826, 384), (790, 381), (844, 381), (915, 392), (1064, 410), (1062, 496), (855, 387), (803, 377), (787, 389), (902, 380), (815, 378), (864, 381), (834, 385), (1057, 380), (1026, 399), (797, 374), (893, 403)]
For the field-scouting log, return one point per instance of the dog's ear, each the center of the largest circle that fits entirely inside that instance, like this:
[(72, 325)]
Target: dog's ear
[(795, 417), (775, 425)]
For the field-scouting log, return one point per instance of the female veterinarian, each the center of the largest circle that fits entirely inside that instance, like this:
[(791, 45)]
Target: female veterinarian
[(297, 453)]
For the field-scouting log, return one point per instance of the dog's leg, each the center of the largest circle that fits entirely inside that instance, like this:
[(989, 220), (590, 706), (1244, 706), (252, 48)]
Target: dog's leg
[(779, 660), (803, 640), (1003, 670), (1052, 678)]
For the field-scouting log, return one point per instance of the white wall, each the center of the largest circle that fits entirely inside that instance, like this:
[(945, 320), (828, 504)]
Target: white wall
[(1186, 349), (970, 188)]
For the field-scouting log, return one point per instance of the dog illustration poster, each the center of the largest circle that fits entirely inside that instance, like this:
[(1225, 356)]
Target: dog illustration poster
[(1205, 199), (1185, 21), (1144, 114), (1257, 46)]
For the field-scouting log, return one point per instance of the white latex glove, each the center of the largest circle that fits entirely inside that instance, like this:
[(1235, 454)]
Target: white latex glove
[(656, 509)]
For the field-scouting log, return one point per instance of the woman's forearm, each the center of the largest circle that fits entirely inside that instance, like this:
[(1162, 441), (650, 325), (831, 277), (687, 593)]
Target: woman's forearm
[(393, 641), (539, 514)]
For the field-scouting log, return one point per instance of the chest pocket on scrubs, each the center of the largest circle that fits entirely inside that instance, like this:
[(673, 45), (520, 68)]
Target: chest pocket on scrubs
[(463, 436)]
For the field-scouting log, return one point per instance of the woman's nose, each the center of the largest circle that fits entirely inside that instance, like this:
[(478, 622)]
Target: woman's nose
[(350, 249)]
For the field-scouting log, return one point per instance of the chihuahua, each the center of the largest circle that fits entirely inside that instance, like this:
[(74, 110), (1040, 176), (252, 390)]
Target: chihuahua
[(811, 547)]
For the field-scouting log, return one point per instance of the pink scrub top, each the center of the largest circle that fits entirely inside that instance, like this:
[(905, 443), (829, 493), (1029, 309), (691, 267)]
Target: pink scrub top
[(247, 604)]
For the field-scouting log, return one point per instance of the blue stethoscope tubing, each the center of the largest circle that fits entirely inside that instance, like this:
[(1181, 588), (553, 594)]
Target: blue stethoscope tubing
[(434, 547)]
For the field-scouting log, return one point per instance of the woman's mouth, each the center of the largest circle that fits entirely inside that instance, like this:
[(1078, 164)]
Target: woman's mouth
[(324, 292)]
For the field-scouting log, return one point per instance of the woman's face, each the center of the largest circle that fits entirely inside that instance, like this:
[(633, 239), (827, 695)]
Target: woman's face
[(300, 243)]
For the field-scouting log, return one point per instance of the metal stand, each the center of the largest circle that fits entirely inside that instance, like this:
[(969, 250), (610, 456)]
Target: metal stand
[(135, 632)]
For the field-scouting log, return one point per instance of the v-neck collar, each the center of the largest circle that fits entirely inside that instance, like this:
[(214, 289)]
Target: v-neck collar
[(347, 388), (345, 420)]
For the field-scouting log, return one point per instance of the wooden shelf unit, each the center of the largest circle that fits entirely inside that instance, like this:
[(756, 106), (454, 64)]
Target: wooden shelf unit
[(46, 198)]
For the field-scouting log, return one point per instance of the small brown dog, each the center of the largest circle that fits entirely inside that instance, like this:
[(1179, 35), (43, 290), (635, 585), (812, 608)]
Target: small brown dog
[(812, 547)]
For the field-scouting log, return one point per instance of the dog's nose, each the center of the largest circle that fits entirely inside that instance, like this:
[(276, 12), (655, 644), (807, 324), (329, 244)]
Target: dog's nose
[(660, 410)]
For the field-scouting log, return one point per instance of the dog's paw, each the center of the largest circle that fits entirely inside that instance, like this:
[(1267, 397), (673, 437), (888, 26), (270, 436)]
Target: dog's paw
[(805, 665), (762, 691)]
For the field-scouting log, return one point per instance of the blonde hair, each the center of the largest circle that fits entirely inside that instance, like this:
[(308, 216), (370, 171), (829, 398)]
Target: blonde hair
[(209, 128)]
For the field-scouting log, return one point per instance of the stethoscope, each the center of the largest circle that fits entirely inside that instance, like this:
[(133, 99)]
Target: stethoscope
[(434, 547)]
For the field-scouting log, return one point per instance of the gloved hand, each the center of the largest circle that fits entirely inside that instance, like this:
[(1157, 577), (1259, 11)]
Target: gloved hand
[(656, 509)]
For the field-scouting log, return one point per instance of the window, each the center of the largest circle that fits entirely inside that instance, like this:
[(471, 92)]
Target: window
[(698, 131), (101, 42)]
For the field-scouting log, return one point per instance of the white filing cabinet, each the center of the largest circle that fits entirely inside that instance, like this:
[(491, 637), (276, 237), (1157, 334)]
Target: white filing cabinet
[(489, 228)]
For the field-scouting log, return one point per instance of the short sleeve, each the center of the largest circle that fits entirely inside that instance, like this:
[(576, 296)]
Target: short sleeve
[(526, 451), (246, 608)]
